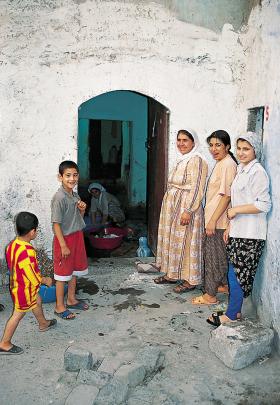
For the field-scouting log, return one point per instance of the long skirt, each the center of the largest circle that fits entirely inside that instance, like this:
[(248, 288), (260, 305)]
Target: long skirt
[(179, 249), (244, 254), (215, 262)]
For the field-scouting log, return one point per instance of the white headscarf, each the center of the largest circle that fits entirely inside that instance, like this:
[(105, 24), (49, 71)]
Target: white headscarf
[(98, 187), (255, 141), (195, 150)]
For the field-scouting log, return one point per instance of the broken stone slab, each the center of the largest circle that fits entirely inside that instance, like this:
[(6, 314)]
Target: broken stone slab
[(96, 378), (82, 395), (240, 344), (148, 268), (131, 374), (152, 359), (114, 393), (77, 358), (110, 364)]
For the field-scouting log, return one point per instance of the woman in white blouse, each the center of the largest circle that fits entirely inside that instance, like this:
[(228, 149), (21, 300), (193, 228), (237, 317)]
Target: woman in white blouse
[(246, 234)]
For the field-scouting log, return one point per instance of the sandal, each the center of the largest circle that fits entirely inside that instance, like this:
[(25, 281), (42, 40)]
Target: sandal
[(65, 315), (80, 306), (201, 300), (164, 280), (182, 288), (216, 321)]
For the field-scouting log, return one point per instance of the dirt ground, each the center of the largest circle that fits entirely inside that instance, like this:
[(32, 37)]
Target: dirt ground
[(127, 310)]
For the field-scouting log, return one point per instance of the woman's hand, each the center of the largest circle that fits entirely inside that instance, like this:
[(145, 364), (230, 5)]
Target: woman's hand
[(231, 213), (226, 235), (185, 218), (210, 228)]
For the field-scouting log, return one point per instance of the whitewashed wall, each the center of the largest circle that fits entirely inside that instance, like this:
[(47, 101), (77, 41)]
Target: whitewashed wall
[(56, 57), (261, 87)]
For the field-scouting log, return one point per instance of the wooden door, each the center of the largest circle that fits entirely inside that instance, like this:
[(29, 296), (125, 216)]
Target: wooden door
[(157, 149)]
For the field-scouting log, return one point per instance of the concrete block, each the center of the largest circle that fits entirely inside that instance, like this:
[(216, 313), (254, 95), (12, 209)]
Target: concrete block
[(131, 374), (152, 359), (110, 364), (76, 358), (82, 395), (240, 344), (113, 393), (96, 378)]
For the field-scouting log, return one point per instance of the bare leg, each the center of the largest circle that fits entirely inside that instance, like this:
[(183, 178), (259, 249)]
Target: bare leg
[(39, 314), (10, 329), (71, 296), (60, 305)]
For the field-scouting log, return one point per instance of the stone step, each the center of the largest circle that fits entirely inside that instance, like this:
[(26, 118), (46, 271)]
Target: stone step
[(239, 344)]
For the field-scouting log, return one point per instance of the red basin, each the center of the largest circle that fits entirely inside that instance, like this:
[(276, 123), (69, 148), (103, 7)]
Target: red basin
[(107, 243)]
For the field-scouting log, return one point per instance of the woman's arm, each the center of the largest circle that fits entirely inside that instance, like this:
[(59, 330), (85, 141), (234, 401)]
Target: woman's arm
[(242, 209), (222, 206)]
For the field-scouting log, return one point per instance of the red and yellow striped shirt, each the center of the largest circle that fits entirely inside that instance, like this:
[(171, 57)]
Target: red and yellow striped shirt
[(25, 276)]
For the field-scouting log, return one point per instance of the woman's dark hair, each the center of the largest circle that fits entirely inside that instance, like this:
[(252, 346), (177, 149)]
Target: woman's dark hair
[(25, 222), (224, 137), (185, 132)]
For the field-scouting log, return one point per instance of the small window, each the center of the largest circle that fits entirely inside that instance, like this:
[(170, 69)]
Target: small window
[(255, 120)]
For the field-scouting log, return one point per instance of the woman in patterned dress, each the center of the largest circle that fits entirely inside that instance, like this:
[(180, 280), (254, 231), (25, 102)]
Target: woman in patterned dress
[(246, 234), (179, 250)]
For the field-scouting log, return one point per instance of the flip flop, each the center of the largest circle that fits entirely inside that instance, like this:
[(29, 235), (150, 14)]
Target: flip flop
[(13, 350), (65, 315), (200, 300), (52, 324), (80, 305)]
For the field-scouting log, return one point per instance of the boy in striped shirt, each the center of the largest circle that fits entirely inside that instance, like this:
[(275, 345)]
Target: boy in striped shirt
[(25, 281)]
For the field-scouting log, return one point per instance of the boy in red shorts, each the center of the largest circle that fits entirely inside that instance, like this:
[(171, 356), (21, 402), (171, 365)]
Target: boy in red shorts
[(25, 281), (69, 254)]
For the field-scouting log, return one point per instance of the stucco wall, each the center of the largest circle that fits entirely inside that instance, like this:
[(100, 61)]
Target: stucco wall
[(57, 55), (262, 88)]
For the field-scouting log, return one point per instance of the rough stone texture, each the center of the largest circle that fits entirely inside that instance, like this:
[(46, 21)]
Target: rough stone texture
[(112, 394), (76, 358), (179, 321), (239, 345), (131, 374), (151, 357), (82, 395), (96, 378), (110, 364)]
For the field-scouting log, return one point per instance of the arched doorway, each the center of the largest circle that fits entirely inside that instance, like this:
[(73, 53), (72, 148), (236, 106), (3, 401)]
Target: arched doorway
[(123, 142)]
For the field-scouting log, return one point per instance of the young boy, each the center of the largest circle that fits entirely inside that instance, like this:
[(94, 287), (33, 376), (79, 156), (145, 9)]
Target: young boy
[(25, 281), (69, 254)]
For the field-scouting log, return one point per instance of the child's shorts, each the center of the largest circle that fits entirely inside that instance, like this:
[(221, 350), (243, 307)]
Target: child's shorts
[(76, 264)]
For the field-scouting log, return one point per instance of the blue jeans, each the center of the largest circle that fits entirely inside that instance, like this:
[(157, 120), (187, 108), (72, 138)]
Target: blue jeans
[(235, 295)]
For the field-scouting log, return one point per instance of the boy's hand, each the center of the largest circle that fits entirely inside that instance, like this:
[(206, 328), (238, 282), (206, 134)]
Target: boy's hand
[(65, 251), (47, 281), (81, 206)]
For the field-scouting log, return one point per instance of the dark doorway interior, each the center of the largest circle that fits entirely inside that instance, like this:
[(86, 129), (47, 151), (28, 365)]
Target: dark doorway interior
[(123, 144)]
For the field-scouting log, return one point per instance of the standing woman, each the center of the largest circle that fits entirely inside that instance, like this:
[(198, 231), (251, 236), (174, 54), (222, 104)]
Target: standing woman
[(246, 234), (216, 221), (180, 229)]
